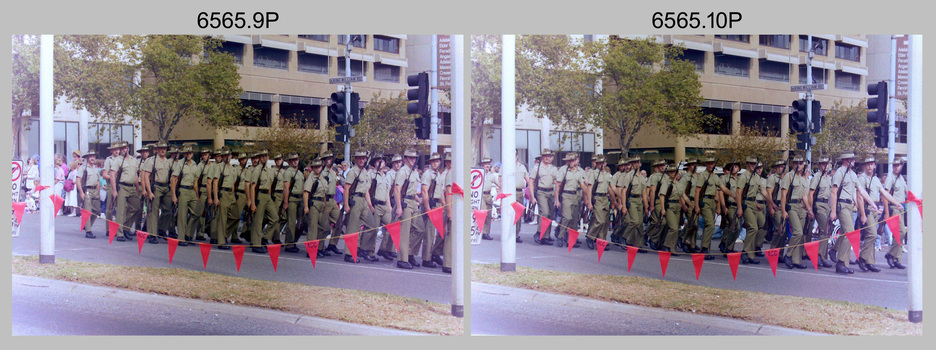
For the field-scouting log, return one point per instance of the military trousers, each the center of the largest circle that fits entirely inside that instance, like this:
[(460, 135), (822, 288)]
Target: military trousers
[(896, 249), (316, 210), (407, 221), (383, 214), (571, 213), (92, 203), (361, 215), (418, 232), (708, 216), (779, 230), (673, 213), (822, 220), (691, 231), (545, 200), (293, 215), (843, 249), (185, 214), (128, 207), (598, 225), (111, 203), (159, 211), (223, 216), (751, 227), (869, 236), (797, 219), (266, 211), (733, 229), (236, 211), (633, 234), (488, 204), (328, 222), (657, 225)]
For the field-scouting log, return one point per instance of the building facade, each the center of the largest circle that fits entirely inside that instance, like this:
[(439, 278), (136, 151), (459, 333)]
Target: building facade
[(77, 130)]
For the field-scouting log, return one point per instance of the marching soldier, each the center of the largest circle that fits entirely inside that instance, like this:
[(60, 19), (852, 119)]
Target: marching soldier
[(654, 183), (173, 155), (313, 205), (382, 205), (442, 247), (487, 199), (359, 209), (293, 182), (597, 186), (544, 179), (748, 188), (328, 221), (618, 184), (263, 206), (732, 213), (405, 190), (845, 198), (896, 187), (183, 183), (279, 200), (205, 168), (776, 215), (765, 207), (869, 218), (128, 193), (568, 195), (138, 218), (819, 194), (90, 195), (793, 204), (430, 186), (223, 188), (671, 204), (214, 198), (240, 201), (521, 181), (107, 172), (687, 240), (706, 187), (156, 176), (250, 195), (636, 206)]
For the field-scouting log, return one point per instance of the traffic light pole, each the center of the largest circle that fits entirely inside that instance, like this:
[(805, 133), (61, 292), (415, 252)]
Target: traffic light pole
[(809, 98), (434, 94), (891, 107), (347, 98)]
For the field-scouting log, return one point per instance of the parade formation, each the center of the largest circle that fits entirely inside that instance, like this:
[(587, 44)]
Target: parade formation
[(787, 208), (233, 198)]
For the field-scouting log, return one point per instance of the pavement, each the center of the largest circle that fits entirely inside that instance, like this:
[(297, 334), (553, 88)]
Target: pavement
[(51, 307), (500, 310)]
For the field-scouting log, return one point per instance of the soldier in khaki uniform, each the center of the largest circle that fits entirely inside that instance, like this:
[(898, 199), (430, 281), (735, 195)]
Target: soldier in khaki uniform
[(442, 247), (776, 215), (732, 213), (487, 199), (671, 199), (705, 204), (383, 210), (597, 186), (428, 199), (107, 172), (845, 194), (223, 187), (405, 188), (313, 205), (139, 218), (158, 170), (877, 193), (748, 187), (636, 205), (896, 186), (617, 199), (521, 181), (89, 189), (793, 204), (128, 193), (293, 182), (214, 198), (328, 221), (263, 209), (240, 201), (568, 194), (279, 200), (176, 162), (687, 239), (544, 179), (183, 180), (205, 169), (819, 189), (654, 184), (359, 209)]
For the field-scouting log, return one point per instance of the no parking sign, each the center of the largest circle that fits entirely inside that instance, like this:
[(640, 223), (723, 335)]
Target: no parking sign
[(17, 179), (477, 179)]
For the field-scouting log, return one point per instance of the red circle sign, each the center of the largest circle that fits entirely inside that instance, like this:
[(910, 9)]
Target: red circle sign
[(17, 171), (476, 179)]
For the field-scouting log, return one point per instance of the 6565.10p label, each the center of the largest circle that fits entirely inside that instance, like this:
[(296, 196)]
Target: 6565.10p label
[(695, 20)]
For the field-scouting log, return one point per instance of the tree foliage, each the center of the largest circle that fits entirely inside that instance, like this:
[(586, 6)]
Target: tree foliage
[(25, 87), (846, 129), (289, 137), (751, 141), (386, 128), (485, 88)]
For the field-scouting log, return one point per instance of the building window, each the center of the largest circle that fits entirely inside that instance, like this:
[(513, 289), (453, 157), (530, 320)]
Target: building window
[(901, 132), (695, 56), (100, 135), (358, 68), (312, 63), (818, 75), (234, 49), (732, 65), (386, 44), (305, 115), (316, 37), (271, 58), (357, 40), (741, 38), (722, 126), (778, 41), (847, 52), (766, 123), (847, 81), (820, 45), (261, 116), (776, 71), (446, 119), (386, 72)]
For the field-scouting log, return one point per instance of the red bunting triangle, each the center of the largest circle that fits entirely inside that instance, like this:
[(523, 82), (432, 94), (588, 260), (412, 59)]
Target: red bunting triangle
[(480, 216), (351, 243), (518, 211), (312, 248), (664, 261), (502, 196), (238, 251), (812, 250), (457, 189), (393, 229), (173, 244), (854, 238), (141, 238), (20, 207), (85, 215), (919, 201), (56, 204), (39, 188), (601, 247), (112, 228), (573, 235), (274, 251), (733, 260), (773, 255), (894, 223), (435, 215), (205, 251), (631, 254), (697, 260), (545, 223)]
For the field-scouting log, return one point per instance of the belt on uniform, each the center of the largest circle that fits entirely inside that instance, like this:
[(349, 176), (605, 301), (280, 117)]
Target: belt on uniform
[(846, 201), (239, 191), (318, 199), (434, 202), (161, 184), (544, 189), (569, 192), (794, 201), (357, 194), (760, 201), (708, 197), (264, 191), (732, 204), (822, 200), (126, 184), (378, 202), (776, 201), (875, 203), (630, 195), (227, 189), (601, 194), (672, 202), (410, 197), (295, 195), (185, 187)]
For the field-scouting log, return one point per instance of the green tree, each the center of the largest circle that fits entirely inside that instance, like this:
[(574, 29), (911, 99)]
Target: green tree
[(485, 88), (386, 128), (751, 141), (289, 136), (25, 86), (846, 129)]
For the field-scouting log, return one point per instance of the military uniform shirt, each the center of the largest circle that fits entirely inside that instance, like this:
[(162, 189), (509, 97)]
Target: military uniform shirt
[(637, 183), (713, 183), (799, 183), (310, 181), (872, 185), (161, 166), (731, 182), (429, 177), (362, 177), (897, 185), (821, 183), (572, 177), (281, 178), (655, 180), (384, 185), (521, 176), (91, 179), (762, 183), (243, 175), (230, 173), (604, 182), (405, 174), (846, 180), (773, 183), (686, 180), (547, 175), (488, 181), (294, 176), (108, 163), (264, 178), (753, 183), (679, 187), (186, 172), (440, 185), (330, 178), (130, 169)]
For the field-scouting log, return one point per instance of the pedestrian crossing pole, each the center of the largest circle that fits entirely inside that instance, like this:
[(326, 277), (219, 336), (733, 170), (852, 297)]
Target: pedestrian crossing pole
[(508, 153)]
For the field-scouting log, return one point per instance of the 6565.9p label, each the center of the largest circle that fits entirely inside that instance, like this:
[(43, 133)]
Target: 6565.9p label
[(239, 20), (695, 20)]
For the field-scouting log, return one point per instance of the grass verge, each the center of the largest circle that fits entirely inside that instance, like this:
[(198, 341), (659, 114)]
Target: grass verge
[(360, 307), (810, 314)]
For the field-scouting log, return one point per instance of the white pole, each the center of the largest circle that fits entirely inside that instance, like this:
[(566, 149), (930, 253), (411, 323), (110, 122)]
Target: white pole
[(508, 153), (915, 179), (891, 107), (434, 96), (347, 145), (46, 144), (460, 165)]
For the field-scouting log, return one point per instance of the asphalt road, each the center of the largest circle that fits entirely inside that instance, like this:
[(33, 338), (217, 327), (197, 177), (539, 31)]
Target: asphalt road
[(382, 276), (888, 288)]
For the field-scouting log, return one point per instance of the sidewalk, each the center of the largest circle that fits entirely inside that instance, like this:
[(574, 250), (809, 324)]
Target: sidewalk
[(532, 305)]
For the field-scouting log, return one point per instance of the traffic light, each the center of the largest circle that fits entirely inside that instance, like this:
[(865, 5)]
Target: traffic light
[(337, 110), (817, 118), (343, 132), (802, 140), (422, 127), (877, 105), (420, 94), (798, 120), (355, 109)]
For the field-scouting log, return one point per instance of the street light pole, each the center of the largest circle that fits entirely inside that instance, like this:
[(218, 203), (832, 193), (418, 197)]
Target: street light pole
[(434, 97), (508, 152), (459, 169), (915, 180), (46, 171), (347, 97)]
